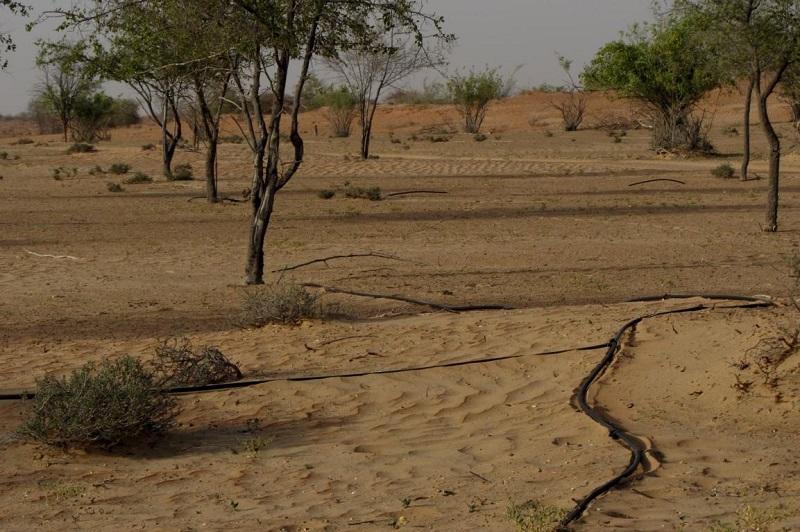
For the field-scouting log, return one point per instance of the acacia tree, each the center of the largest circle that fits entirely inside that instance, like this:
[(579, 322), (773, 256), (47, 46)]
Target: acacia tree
[(65, 84), (6, 42), (667, 68), (383, 60), (279, 33)]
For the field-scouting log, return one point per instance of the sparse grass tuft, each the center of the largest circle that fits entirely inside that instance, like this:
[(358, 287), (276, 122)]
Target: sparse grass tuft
[(479, 137), (725, 171), (101, 405), (148, 147), (534, 517), (372, 193), (749, 519), (326, 194), (114, 187), (60, 173), (119, 168), (176, 363), (81, 147), (96, 170), (279, 302), (138, 178)]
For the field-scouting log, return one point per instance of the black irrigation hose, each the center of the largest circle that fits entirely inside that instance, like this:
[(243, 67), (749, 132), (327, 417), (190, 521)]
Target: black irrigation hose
[(16, 396), (615, 431)]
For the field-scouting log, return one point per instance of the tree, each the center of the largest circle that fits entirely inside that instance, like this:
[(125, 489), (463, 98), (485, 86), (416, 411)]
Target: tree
[(6, 42), (666, 67), (384, 60), (573, 105), (472, 93), (93, 114), (65, 84)]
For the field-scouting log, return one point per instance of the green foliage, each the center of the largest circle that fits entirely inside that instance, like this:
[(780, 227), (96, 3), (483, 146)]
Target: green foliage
[(81, 147), (6, 43), (138, 178), (177, 363), (99, 405), (430, 94), (724, 171), (340, 108), (472, 92), (668, 67), (280, 302)]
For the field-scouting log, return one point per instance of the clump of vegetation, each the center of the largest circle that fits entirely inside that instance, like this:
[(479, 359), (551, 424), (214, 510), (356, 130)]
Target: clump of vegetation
[(749, 519), (119, 168), (279, 302), (724, 171), (60, 173), (148, 147), (3, 155), (572, 106), (138, 178), (535, 517), (231, 139), (20, 142), (548, 133), (114, 187), (340, 109), (372, 193), (101, 405), (177, 363), (472, 93), (326, 194), (431, 94), (97, 170), (731, 131), (81, 147), (479, 137), (182, 172)]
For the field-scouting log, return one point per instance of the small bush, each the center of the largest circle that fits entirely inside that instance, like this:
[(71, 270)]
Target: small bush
[(231, 139), (372, 193), (280, 302), (548, 133), (138, 178), (114, 187), (3, 155), (182, 172), (724, 171), (99, 405), (60, 173), (96, 170), (22, 141), (176, 363), (81, 147), (535, 517), (326, 194), (148, 147), (119, 168), (479, 137)]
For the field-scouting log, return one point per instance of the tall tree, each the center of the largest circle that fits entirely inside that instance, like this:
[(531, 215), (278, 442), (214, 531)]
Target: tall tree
[(383, 60)]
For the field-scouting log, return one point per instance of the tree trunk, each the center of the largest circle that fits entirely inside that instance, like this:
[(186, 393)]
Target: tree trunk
[(211, 171), (168, 154), (748, 104), (774, 160), (366, 133)]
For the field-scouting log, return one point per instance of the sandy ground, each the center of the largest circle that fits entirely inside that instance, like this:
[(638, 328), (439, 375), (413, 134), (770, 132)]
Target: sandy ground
[(534, 218)]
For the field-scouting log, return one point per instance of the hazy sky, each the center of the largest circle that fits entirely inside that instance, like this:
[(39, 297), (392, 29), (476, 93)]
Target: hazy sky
[(493, 32)]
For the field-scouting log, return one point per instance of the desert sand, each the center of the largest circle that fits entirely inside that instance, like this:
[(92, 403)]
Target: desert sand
[(534, 218)]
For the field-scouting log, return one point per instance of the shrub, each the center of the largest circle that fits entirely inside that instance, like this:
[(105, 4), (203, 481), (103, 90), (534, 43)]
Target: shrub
[(479, 137), (572, 106), (182, 172), (176, 363), (60, 173), (119, 168), (534, 517), (148, 147), (99, 405), (3, 155), (326, 194), (96, 170), (724, 171), (431, 94), (114, 187), (473, 92), (22, 141), (81, 147), (138, 178), (231, 139), (372, 193), (280, 302), (340, 110)]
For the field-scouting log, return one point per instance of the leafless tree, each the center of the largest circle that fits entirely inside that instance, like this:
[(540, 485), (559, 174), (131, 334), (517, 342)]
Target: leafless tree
[(61, 88), (392, 56), (573, 103)]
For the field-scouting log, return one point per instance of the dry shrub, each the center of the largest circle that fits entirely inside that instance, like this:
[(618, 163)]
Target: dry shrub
[(372, 193), (119, 168), (176, 363), (724, 171), (182, 172), (81, 147), (279, 302), (101, 405), (138, 178), (535, 517)]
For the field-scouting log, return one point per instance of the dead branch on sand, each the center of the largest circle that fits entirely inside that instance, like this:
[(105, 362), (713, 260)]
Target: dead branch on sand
[(335, 257)]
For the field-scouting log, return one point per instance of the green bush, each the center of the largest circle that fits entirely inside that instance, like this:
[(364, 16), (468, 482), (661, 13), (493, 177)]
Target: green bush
[(99, 405), (176, 363), (138, 178), (96, 170), (119, 168), (114, 187), (724, 171), (472, 93), (81, 147), (280, 302)]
